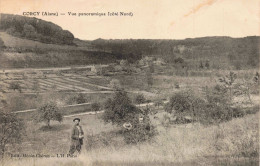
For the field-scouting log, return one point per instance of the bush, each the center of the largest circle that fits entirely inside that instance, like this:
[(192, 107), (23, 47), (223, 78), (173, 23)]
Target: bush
[(184, 103), (77, 99), (95, 107), (158, 103), (15, 86), (10, 130), (214, 108), (215, 113), (115, 84), (140, 133), (177, 85), (139, 99), (120, 111), (179, 60)]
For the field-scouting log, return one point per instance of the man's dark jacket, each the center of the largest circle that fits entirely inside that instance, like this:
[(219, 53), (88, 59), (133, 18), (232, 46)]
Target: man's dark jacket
[(75, 136)]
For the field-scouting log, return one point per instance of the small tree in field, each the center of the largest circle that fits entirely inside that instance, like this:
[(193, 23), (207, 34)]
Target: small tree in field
[(95, 107), (80, 99), (15, 86), (228, 82), (247, 86), (119, 109), (185, 104), (134, 122), (48, 112), (139, 99)]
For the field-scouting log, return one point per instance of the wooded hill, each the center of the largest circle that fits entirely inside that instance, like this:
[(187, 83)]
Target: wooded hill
[(238, 52), (35, 29)]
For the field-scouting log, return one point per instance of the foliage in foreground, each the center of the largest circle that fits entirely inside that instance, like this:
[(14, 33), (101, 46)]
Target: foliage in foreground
[(10, 130)]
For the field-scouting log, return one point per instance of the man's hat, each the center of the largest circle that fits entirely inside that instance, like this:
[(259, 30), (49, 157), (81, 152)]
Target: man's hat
[(76, 119)]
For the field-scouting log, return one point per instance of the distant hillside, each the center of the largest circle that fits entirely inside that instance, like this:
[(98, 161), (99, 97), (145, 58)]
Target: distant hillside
[(220, 51), (18, 52), (35, 29), (31, 42)]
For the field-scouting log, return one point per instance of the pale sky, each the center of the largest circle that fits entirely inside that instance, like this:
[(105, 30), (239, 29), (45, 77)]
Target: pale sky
[(152, 19)]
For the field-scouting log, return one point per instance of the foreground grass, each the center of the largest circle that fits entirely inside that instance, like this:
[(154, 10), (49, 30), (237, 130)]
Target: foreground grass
[(231, 143)]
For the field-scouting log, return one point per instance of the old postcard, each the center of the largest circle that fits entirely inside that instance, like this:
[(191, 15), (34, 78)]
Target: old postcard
[(129, 82)]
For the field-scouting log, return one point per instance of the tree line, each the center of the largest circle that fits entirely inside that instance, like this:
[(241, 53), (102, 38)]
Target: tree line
[(35, 29), (240, 53)]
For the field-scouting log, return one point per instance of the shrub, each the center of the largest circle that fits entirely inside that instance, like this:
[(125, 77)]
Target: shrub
[(158, 103), (119, 110), (81, 99), (217, 94), (207, 64), (15, 86), (228, 82), (95, 107), (140, 133), (139, 99), (179, 60), (77, 99), (149, 78), (10, 130), (238, 112), (115, 84), (184, 103), (215, 113), (214, 108), (177, 85)]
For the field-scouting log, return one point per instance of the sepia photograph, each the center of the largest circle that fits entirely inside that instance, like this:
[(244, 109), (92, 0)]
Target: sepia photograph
[(129, 82)]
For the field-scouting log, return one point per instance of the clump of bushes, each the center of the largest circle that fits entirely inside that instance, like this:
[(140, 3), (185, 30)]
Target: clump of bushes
[(11, 130), (133, 121), (187, 107), (15, 86), (139, 99), (77, 99)]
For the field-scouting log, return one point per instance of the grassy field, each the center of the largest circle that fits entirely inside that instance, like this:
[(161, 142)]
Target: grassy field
[(231, 143)]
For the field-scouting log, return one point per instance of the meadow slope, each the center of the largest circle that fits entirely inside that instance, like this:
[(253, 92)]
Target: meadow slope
[(231, 143)]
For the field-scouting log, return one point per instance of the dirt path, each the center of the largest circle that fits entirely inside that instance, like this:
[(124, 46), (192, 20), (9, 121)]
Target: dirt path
[(84, 113), (44, 69)]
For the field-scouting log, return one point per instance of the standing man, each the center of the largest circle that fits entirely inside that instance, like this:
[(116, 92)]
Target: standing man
[(77, 136)]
